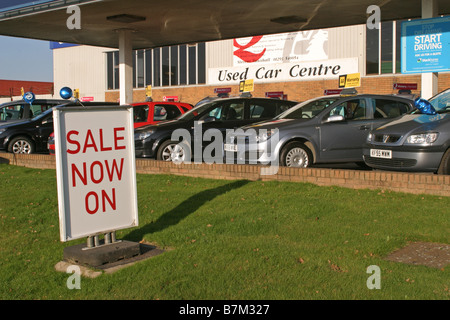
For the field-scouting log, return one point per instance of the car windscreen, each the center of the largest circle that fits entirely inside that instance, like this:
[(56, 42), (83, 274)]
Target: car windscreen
[(43, 114), (308, 109), (441, 102), (195, 112)]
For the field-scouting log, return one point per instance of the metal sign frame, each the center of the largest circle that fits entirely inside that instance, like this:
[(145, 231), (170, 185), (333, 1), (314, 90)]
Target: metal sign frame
[(96, 170)]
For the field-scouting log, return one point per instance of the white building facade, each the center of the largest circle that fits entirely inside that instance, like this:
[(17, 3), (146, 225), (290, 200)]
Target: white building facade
[(301, 65)]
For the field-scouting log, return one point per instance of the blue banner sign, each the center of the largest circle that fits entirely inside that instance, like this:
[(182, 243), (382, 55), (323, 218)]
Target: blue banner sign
[(57, 45), (426, 45)]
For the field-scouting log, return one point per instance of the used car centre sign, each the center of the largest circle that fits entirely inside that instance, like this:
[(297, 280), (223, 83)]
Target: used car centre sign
[(308, 70), (96, 172)]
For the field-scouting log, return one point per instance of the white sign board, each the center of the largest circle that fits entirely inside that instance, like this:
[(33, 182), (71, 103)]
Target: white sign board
[(96, 170), (289, 47), (309, 70)]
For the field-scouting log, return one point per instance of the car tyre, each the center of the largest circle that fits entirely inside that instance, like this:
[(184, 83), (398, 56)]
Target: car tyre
[(444, 167), (296, 154), (172, 151), (22, 145)]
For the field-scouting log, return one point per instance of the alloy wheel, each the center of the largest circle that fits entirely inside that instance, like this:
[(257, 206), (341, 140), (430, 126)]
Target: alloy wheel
[(297, 157), (21, 146)]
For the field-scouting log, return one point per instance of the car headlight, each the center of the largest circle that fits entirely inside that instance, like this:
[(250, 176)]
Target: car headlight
[(422, 138), (264, 135), (143, 135), (369, 137)]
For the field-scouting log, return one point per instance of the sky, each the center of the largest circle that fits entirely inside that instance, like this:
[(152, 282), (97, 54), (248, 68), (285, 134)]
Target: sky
[(25, 59)]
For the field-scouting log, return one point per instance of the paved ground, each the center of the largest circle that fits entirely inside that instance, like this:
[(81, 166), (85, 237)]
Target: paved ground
[(435, 255)]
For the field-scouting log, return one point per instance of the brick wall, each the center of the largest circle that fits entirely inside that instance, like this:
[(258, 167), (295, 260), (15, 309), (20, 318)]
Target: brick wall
[(295, 90), (416, 183)]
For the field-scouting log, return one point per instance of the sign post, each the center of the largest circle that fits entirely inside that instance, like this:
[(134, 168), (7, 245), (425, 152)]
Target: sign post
[(96, 177)]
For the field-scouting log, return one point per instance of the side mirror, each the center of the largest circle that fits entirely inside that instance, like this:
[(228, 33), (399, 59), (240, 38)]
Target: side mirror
[(209, 119), (334, 118)]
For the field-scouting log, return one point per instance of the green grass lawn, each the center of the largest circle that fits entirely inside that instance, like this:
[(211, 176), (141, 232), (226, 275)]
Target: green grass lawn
[(230, 240)]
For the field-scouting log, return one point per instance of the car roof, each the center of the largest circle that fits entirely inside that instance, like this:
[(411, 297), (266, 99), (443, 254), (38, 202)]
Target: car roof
[(90, 103), (162, 102), (71, 103), (395, 96), (36, 101), (246, 98)]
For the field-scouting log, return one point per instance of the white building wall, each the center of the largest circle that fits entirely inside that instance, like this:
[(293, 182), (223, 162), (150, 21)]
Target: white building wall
[(348, 42), (81, 67), (220, 54)]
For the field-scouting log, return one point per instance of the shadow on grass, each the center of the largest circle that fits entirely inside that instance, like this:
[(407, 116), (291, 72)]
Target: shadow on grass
[(183, 210)]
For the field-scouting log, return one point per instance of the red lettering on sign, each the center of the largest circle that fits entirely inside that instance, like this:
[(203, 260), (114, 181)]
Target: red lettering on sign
[(93, 197), (93, 142), (111, 171), (116, 138), (106, 197), (70, 141), (114, 168), (102, 148), (86, 202), (99, 164), (90, 144), (82, 177)]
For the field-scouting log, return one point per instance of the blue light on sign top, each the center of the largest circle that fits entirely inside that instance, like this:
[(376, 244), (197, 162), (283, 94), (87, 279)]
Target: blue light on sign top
[(426, 45)]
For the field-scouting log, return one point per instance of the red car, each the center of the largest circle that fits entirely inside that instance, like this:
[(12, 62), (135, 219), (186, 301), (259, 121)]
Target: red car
[(153, 112), (146, 113)]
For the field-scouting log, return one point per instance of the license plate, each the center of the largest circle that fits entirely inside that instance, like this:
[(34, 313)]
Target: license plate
[(230, 147), (377, 153)]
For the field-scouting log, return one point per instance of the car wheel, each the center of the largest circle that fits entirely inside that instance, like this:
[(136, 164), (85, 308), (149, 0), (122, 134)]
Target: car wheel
[(296, 154), (171, 151), (444, 167), (21, 145)]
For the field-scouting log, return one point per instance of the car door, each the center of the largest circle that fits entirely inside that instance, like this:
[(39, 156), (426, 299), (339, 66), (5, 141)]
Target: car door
[(142, 115), (222, 115), (343, 140), (44, 128), (36, 109), (385, 109), (15, 112)]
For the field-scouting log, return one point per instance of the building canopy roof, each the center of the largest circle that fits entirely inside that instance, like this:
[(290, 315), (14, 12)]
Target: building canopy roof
[(156, 23)]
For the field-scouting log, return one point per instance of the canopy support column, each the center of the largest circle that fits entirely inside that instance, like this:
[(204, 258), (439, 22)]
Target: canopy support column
[(125, 66), (429, 79)]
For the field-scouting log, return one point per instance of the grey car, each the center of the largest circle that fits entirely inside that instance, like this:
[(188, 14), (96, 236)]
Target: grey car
[(329, 129), (414, 142)]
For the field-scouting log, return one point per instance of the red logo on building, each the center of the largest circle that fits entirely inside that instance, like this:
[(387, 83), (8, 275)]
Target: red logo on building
[(245, 55)]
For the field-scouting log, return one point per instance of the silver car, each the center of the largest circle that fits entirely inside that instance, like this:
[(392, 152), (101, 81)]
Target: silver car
[(329, 129), (414, 142)]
